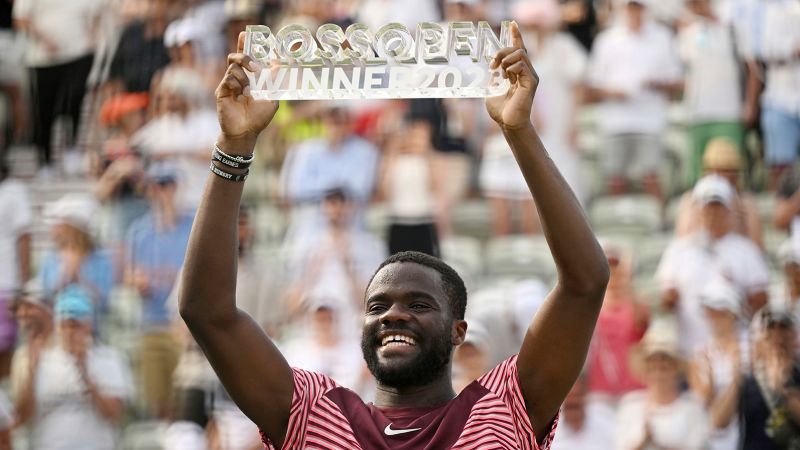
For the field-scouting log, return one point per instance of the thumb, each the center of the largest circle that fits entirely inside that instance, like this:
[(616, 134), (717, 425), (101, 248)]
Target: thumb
[(516, 36)]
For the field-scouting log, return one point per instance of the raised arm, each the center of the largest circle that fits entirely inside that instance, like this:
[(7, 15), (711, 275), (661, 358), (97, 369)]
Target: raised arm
[(249, 365), (555, 346)]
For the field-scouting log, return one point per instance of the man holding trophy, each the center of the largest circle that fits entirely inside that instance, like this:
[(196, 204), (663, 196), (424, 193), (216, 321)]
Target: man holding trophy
[(413, 309)]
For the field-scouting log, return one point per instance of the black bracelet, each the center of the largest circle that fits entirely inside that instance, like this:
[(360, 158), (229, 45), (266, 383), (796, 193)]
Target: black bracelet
[(234, 162), (227, 175)]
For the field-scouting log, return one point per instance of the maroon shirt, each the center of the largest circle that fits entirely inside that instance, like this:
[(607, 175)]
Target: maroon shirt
[(488, 414)]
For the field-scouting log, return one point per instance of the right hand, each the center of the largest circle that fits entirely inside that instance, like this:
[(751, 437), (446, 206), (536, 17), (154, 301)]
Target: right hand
[(241, 118)]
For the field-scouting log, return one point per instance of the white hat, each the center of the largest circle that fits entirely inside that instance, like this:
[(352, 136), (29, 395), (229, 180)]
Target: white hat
[(182, 31), (721, 295), (77, 210), (466, 2), (713, 188)]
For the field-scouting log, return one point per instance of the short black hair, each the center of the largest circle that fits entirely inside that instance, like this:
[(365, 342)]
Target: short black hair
[(453, 284)]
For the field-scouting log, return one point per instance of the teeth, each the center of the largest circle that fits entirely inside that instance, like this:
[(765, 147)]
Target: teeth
[(398, 339)]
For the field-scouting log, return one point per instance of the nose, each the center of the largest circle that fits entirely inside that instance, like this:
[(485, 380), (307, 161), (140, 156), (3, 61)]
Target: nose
[(396, 313)]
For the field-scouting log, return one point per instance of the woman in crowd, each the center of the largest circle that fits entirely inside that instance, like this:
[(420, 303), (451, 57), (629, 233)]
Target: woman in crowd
[(622, 323), (661, 416), (716, 372)]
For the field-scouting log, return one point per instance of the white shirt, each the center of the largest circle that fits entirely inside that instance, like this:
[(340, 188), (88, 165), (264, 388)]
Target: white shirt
[(712, 76), (781, 41), (626, 61), (597, 432), (65, 417), (691, 262), (183, 141), (681, 424), (16, 216), (377, 13), (68, 24)]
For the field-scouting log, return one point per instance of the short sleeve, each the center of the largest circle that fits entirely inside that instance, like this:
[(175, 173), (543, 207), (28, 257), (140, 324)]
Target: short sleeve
[(503, 381), (116, 380), (757, 273), (665, 273), (309, 387), (597, 61), (23, 214)]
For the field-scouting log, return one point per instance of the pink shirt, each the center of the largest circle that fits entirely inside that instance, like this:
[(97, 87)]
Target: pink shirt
[(614, 338)]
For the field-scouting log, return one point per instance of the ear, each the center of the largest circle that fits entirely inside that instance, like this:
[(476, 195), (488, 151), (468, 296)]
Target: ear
[(459, 333)]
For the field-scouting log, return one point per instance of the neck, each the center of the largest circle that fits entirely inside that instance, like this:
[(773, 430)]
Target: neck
[(436, 393), (663, 395)]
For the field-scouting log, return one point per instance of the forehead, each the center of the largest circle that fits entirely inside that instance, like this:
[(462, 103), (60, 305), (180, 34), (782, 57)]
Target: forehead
[(397, 279)]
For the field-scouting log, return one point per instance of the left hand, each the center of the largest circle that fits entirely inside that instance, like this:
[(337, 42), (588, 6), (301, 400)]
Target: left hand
[(513, 110)]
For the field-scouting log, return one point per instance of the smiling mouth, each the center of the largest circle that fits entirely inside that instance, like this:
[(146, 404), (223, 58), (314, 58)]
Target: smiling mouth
[(398, 341)]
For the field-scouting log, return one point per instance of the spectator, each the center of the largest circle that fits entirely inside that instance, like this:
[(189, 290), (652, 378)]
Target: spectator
[(120, 167), (409, 184), (633, 72), (660, 416), (718, 368), (712, 94), (318, 165), (622, 323), (61, 43), (473, 358), (12, 79), (503, 185), (324, 349), (722, 158), (690, 262), (584, 425), (335, 264), (141, 51), (769, 399), (15, 254), (156, 246), (77, 259), (790, 259), (77, 390), (377, 13), (34, 314), (580, 18), (561, 63), (780, 101)]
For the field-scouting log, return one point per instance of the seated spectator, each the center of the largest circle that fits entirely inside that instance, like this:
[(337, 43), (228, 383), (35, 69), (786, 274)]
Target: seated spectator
[(77, 259), (321, 347), (790, 259), (722, 158), (769, 398), (690, 262), (584, 425), (156, 245), (77, 390), (34, 313), (622, 323), (16, 214), (408, 183), (182, 132), (713, 94), (315, 166), (335, 264), (718, 368), (633, 72), (660, 416), (472, 359)]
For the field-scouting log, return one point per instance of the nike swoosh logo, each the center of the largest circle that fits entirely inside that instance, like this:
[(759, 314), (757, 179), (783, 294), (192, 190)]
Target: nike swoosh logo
[(390, 432)]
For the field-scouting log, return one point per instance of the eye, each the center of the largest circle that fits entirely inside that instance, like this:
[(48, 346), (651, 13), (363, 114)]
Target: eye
[(419, 306), (376, 308)]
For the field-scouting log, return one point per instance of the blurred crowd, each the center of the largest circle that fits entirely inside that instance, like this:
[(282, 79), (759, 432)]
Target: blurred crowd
[(676, 122)]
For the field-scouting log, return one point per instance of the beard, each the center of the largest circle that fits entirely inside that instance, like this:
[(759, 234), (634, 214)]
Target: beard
[(430, 362)]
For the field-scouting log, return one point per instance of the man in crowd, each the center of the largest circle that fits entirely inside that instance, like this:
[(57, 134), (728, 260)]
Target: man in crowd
[(156, 248), (633, 71), (715, 250), (413, 317)]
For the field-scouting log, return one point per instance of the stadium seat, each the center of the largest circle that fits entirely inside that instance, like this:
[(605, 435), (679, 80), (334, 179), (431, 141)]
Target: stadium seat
[(520, 257), (773, 240), (464, 252), (145, 435), (630, 214), (472, 218), (375, 220), (766, 206), (648, 253)]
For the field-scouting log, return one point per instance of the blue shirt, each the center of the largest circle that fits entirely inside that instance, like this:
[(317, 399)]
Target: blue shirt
[(313, 167), (96, 276), (160, 254)]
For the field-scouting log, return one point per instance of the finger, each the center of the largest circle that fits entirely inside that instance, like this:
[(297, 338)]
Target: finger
[(514, 57), (240, 42), (516, 71), (237, 72), (229, 86), (244, 61), (502, 53), (516, 36)]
